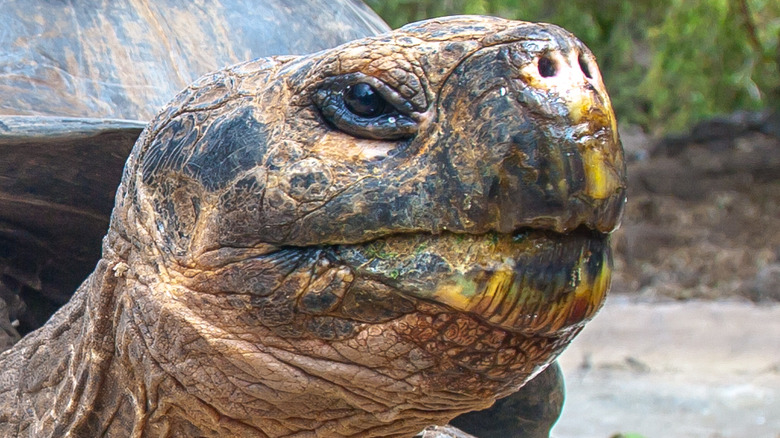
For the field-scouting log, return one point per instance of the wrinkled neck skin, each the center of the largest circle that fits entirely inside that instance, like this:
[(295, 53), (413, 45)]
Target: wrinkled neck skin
[(156, 357), (79, 376), (143, 361), (62, 380)]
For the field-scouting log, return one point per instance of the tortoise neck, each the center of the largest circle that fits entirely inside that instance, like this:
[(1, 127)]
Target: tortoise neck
[(109, 364), (55, 380)]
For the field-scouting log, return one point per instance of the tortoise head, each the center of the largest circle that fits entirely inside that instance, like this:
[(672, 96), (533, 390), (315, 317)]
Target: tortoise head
[(415, 222)]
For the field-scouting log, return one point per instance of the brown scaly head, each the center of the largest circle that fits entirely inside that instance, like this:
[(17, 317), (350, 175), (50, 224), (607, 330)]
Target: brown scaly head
[(370, 239)]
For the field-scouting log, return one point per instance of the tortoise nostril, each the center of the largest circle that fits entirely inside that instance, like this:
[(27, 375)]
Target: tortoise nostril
[(547, 66), (584, 67)]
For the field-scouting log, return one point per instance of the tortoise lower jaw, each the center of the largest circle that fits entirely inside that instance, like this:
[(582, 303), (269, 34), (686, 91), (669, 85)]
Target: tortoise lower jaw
[(558, 285), (534, 282)]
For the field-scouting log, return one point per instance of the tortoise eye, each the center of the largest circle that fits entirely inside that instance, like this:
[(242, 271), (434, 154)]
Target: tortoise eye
[(363, 100), (365, 107)]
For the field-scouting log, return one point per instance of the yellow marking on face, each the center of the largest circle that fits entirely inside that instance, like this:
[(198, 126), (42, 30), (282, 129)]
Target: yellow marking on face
[(590, 291), (477, 295), (579, 108), (496, 291), (457, 294), (600, 285), (601, 180)]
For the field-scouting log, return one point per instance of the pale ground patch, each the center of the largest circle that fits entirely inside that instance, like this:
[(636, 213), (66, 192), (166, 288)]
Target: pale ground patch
[(678, 369)]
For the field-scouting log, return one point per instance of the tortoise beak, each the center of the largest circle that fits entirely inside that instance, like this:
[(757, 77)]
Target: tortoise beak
[(542, 148)]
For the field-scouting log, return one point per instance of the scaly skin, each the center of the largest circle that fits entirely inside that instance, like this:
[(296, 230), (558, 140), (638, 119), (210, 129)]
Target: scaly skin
[(282, 264)]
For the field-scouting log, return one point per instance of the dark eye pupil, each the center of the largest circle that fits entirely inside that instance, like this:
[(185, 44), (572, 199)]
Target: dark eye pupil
[(363, 100)]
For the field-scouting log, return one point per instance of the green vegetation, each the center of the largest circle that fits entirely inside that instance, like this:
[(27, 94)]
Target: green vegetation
[(667, 63), (378, 250)]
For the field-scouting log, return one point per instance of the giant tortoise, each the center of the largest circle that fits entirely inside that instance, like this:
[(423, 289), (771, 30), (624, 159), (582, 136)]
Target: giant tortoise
[(358, 242)]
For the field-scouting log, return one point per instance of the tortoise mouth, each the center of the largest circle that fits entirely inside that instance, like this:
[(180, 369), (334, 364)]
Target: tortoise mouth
[(533, 282)]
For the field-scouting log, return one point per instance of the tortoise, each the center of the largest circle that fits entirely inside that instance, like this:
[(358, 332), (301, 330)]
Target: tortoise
[(361, 241)]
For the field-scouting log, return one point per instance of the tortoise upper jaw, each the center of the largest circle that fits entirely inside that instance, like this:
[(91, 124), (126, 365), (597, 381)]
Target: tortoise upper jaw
[(570, 171), (542, 149), (560, 183)]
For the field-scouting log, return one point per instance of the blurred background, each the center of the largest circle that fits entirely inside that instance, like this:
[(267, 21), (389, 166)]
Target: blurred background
[(688, 344)]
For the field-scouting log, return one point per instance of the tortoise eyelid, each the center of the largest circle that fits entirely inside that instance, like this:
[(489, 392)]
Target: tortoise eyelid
[(398, 120)]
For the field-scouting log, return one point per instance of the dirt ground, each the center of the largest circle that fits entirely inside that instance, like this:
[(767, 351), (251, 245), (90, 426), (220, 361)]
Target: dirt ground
[(688, 344), (678, 369)]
